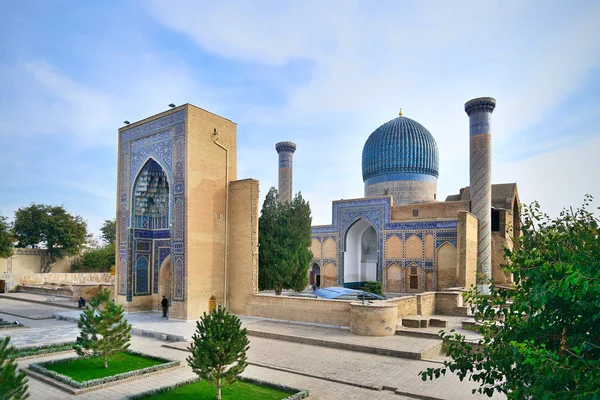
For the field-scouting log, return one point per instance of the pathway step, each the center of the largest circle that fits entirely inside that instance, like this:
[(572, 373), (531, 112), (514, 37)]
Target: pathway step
[(60, 301)]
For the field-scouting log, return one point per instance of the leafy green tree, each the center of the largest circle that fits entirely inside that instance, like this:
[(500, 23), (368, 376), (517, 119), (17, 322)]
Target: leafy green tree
[(219, 348), (109, 231), (374, 287), (50, 227), (6, 245), (541, 339), (104, 331), (98, 259), (13, 384), (284, 236)]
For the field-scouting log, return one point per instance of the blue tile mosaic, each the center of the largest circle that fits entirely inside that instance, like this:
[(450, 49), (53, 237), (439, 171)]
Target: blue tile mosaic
[(161, 143), (400, 145)]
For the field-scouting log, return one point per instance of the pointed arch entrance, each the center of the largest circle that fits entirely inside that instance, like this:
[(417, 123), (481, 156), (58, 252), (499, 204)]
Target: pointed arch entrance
[(361, 254), (164, 282), (150, 235), (315, 275)]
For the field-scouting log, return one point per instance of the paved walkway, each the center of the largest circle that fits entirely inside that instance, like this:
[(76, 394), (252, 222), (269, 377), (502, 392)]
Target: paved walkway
[(328, 373)]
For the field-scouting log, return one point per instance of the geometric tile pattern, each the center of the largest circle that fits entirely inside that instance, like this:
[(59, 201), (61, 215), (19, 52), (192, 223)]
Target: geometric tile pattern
[(162, 143), (376, 211), (480, 113), (400, 145)]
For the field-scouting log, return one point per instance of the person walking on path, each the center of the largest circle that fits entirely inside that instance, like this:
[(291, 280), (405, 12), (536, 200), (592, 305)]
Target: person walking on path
[(81, 302), (165, 305)]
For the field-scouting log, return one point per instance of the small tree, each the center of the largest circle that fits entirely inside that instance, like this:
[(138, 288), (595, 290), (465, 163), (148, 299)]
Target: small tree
[(219, 348), (109, 231), (52, 227), (541, 338), (104, 331), (284, 236), (13, 384), (6, 245), (97, 259)]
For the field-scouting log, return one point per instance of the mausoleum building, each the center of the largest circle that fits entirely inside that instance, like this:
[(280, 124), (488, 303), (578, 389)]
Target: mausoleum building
[(400, 234)]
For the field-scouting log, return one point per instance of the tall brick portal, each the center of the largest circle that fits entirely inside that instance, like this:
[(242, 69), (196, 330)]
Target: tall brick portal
[(480, 120), (286, 154)]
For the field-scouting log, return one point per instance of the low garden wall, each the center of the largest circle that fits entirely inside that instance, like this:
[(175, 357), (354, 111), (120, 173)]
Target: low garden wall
[(407, 305), (450, 303), (302, 309), (337, 312)]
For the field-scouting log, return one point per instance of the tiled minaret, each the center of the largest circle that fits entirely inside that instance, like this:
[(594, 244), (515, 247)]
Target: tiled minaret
[(480, 125), (286, 154)]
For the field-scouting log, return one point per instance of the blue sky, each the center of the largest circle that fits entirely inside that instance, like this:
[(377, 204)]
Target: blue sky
[(321, 74)]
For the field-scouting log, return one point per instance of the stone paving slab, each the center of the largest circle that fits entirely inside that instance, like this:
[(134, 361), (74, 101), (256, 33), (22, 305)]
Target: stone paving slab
[(353, 369), (41, 336), (409, 347)]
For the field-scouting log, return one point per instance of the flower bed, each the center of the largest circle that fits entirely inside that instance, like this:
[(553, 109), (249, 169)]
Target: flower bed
[(23, 352), (42, 369), (289, 392)]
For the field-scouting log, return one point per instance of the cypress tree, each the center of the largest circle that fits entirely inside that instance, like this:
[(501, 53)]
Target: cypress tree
[(13, 385), (104, 331), (219, 348), (284, 234)]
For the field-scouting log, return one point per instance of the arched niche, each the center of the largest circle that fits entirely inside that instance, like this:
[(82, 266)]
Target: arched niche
[(446, 266), (428, 246), (393, 247), (413, 248), (329, 275), (315, 248), (212, 304), (393, 277), (329, 248)]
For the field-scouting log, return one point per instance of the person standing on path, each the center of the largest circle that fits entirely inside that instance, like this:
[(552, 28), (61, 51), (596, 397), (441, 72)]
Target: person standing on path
[(165, 305)]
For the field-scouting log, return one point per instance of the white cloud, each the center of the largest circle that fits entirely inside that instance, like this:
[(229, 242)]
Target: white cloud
[(429, 59), (559, 179)]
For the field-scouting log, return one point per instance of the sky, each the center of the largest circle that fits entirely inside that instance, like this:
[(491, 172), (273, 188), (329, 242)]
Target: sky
[(324, 75)]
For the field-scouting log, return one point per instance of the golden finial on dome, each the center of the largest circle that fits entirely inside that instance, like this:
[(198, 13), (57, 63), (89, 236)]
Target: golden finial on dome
[(400, 113)]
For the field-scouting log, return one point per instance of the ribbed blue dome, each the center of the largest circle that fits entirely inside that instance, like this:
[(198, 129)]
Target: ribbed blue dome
[(400, 146)]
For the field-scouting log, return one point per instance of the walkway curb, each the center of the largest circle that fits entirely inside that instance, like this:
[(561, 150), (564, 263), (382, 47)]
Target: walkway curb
[(348, 346)]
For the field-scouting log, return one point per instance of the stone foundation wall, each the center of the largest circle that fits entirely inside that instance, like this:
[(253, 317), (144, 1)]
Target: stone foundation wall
[(13, 280)]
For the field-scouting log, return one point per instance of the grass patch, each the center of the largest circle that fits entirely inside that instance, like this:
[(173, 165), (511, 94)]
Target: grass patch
[(238, 390), (87, 369)]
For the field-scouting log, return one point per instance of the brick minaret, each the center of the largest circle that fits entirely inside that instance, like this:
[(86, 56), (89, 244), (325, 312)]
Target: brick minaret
[(286, 154), (480, 122)]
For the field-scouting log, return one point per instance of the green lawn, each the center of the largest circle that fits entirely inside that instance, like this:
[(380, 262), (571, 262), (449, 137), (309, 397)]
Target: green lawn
[(93, 368), (236, 391)]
